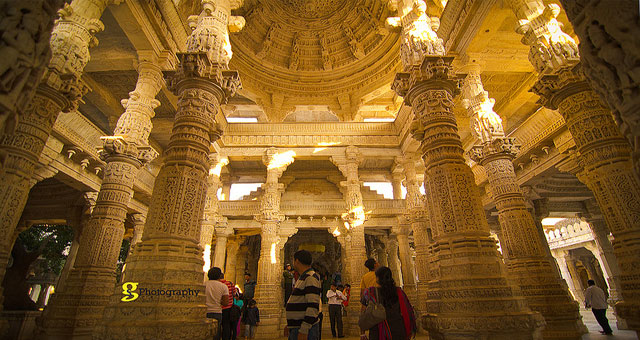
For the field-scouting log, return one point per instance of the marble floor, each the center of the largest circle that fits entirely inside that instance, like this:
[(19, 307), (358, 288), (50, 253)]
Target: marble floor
[(587, 317)]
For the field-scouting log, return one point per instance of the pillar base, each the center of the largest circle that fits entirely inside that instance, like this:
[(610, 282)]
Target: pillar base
[(525, 326), (268, 300), (630, 314), (160, 265)]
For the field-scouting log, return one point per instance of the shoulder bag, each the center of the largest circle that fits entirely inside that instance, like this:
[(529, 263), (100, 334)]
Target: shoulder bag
[(373, 314)]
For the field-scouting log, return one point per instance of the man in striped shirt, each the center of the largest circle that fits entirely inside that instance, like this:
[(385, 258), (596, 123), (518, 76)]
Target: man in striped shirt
[(304, 303)]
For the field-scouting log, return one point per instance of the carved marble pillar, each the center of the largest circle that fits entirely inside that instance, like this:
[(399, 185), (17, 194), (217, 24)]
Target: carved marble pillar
[(138, 228), (381, 252), (90, 202), (417, 217), (394, 260), (578, 293), (404, 250), (603, 154), (604, 254), (26, 27), (44, 291), (605, 166), (232, 254), (268, 288), (212, 219), (222, 233), (169, 256), (90, 283), (523, 247), (396, 182), (241, 265), (465, 257), (610, 53), (226, 186), (353, 229), (59, 90), (560, 256)]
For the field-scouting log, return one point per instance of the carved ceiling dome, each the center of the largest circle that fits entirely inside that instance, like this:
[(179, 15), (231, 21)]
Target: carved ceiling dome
[(312, 9), (314, 52)]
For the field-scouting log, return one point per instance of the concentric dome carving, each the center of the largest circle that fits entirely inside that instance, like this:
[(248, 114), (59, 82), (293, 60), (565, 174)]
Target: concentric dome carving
[(314, 52)]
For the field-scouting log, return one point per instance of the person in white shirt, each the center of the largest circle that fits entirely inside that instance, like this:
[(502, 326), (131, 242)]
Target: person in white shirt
[(335, 309), (595, 299), (216, 296)]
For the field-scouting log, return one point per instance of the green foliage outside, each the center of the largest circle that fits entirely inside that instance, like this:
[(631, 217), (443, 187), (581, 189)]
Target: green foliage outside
[(57, 238), (124, 251)]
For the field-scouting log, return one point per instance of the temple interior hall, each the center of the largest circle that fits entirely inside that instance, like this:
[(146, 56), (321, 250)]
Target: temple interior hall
[(486, 151)]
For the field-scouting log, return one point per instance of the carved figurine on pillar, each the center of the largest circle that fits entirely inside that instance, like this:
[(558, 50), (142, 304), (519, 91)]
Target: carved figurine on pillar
[(169, 256), (523, 247), (464, 254)]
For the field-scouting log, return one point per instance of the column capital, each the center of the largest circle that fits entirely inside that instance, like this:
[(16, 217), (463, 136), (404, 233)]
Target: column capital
[(419, 38), (554, 88), (119, 147), (496, 148), (551, 48)]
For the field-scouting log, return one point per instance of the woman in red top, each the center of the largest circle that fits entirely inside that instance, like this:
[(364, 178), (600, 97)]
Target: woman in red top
[(347, 292)]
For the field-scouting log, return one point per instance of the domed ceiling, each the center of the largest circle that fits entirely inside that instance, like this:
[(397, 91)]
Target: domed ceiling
[(314, 52)]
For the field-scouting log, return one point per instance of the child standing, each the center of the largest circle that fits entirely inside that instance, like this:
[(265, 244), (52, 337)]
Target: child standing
[(251, 319)]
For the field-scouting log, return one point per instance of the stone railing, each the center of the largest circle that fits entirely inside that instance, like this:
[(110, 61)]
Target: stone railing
[(569, 232)]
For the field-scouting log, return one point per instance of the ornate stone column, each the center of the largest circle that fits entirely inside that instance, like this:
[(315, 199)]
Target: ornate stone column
[(561, 258), (604, 254), (466, 264), (269, 271), (396, 182), (169, 256), (226, 186), (610, 53), (76, 310), (579, 289), (353, 246), (59, 90), (240, 265), (138, 227), (604, 159), (381, 252), (404, 250), (222, 233), (523, 248), (213, 220), (417, 217), (602, 153), (90, 202), (25, 48), (394, 261), (232, 253)]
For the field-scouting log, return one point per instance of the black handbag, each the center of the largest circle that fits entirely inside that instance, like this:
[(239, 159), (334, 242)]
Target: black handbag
[(373, 314)]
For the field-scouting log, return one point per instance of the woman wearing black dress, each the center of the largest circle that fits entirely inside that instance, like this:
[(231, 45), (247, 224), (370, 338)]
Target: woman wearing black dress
[(400, 323)]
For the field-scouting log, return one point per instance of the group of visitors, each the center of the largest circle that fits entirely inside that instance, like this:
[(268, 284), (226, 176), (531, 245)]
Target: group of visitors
[(229, 307), (303, 295), (304, 305)]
